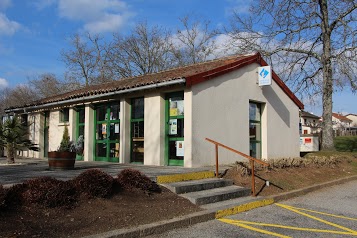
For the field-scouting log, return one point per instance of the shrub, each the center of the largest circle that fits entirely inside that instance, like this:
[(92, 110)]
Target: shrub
[(14, 195), (94, 183), (130, 178), (50, 192)]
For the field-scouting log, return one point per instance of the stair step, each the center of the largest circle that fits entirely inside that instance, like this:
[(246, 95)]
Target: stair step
[(197, 185), (216, 194)]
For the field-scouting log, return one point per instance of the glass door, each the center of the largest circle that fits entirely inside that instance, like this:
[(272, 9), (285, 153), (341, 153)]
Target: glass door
[(45, 134), (137, 130), (255, 129), (80, 127), (107, 131), (174, 148)]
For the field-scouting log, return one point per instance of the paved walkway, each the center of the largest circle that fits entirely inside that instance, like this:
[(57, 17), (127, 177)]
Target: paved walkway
[(27, 168)]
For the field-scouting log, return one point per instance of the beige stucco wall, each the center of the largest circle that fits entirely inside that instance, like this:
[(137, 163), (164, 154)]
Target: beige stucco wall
[(154, 129), (56, 129), (124, 154), (220, 111)]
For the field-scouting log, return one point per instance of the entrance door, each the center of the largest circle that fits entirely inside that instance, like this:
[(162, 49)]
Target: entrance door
[(107, 132), (80, 119), (174, 143), (137, 131)]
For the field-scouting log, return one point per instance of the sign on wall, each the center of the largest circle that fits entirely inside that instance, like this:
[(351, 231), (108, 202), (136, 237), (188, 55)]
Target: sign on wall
[(264, 76)]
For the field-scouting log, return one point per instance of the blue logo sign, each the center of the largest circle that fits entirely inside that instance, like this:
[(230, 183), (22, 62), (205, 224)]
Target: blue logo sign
[(264, 73)]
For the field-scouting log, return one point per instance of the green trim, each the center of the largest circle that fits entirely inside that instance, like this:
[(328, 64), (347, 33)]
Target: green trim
[(130, 129), (106, 141), (167, 160)]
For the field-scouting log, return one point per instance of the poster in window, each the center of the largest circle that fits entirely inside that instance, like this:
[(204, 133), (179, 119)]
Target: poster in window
[(180, 150), (173, 127), (104, 129), (116, 128), (179, 107)]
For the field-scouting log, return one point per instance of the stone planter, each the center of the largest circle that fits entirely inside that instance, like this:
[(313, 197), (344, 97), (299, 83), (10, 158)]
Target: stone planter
[(61, 160)]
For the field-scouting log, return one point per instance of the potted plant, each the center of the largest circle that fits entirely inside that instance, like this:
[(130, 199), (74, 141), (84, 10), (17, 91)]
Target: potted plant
[(65, 156)]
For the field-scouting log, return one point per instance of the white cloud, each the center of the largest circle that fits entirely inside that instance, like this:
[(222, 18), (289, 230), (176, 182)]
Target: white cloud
[(98, 15), (8, 27), (42, 4), (5, 4), (3, 83)]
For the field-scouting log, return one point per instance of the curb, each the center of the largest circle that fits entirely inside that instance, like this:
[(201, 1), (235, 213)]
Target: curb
[(207, 215), (184, 177)]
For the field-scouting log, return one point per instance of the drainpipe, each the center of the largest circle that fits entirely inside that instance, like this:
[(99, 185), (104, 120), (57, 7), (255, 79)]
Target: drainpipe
[(90, 98)]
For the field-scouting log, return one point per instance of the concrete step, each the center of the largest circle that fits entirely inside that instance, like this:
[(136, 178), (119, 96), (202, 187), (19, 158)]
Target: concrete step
[(197, 185), (229, 203), (216, 194)]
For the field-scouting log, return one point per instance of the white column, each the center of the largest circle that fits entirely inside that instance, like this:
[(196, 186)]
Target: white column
[(188, 128), (89, 135), (124, 154)]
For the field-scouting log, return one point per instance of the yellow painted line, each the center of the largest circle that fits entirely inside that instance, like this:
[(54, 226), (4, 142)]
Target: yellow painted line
[(316, 218), (184, 177), (327, 214), (243, 208), (233, 222), (297, 228)]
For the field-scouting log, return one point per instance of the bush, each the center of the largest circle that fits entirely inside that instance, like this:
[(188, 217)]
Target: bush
[(130, 178), (14, 196), (50, 192), (94, 183), (2, 196)]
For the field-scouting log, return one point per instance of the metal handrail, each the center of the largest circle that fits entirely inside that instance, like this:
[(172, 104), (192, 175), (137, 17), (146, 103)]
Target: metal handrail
[(251, 160)]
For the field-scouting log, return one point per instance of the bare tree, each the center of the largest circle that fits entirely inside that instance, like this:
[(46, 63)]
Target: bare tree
[(146, 50), (194, 41), (87, 59), (312, 43), (47, 84), (18, 96)]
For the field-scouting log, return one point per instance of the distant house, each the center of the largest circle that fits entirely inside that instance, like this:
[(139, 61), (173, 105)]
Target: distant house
[(353, 118), (340, 122), (310, 123), (162, 119)]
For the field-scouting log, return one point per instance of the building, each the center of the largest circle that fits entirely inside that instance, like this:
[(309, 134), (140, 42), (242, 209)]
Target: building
[(310, 123), (353, 118), (163, 118), (340, 123)]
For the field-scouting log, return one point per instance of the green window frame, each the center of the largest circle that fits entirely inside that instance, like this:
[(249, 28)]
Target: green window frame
[(174, 128), (107, 132), (137, 130), (255, 130)]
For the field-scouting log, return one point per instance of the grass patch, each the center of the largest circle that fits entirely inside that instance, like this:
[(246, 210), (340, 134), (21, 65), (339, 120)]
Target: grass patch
[(346, 143)]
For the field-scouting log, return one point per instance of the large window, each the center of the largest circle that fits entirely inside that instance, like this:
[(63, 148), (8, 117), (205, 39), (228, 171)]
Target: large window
[(107, 132), (255, 129), (175, 129), (137, 130)]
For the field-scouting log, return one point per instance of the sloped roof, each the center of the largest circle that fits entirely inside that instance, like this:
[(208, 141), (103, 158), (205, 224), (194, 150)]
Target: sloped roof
[(193, 74), (309, 115), (341, 117)]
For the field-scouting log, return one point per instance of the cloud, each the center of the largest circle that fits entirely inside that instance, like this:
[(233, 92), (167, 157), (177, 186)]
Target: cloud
[(3, 83), (5, 4), (42, 4), (8, 27), (98, 15)]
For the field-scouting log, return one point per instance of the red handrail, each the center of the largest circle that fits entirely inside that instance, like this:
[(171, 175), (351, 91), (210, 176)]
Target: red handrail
[(251, 159)]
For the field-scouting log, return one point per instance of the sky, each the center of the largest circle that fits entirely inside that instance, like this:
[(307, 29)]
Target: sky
[(34, 32)]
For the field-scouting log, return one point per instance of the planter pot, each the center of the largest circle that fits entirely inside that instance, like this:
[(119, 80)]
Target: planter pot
[(61, 160)]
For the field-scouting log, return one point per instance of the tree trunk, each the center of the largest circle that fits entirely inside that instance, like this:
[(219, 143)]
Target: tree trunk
[(10, 154), (327, 131)]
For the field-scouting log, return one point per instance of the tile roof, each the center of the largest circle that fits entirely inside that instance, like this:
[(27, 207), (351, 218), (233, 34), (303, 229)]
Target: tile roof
[(341, 117), (193, 74), (310, 115)]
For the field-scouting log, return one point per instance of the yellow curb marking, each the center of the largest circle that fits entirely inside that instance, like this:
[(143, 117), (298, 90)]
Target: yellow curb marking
[(293, 209), (243, 208), (232, 222), (184, 177)]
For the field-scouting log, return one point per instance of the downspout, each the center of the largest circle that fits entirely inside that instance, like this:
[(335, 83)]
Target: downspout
[(90, 98)]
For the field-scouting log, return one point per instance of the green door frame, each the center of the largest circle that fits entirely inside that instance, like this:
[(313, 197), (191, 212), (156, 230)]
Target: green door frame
[(78, 125), (131, 130), (46, 129), (168, 139), (106, 141)]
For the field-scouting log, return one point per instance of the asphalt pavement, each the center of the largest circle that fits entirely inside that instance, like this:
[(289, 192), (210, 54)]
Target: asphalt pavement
[(328, 212)]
